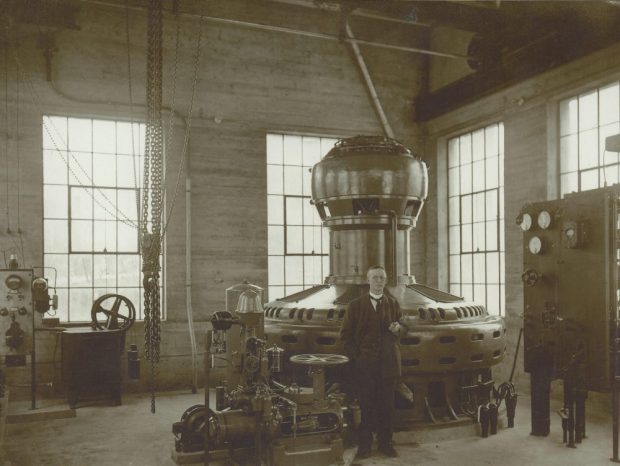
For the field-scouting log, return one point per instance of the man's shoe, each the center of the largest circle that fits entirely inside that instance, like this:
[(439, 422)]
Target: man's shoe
[(388, 451), (362, 453)]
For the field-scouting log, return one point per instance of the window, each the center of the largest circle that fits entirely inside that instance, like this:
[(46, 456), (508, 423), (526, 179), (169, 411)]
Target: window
[(92, 174), (476, 216), (297, 246), (585, 122)]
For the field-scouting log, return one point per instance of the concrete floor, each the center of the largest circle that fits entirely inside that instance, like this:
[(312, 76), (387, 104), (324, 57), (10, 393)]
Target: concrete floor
[(130, 435)]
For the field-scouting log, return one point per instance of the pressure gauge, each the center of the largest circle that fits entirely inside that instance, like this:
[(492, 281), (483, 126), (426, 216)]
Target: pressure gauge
[(535, 245), (13, 282), (525, 222), (544, 219)]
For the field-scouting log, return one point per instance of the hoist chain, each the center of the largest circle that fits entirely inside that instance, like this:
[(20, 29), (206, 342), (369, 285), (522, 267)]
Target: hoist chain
[(153, 174)]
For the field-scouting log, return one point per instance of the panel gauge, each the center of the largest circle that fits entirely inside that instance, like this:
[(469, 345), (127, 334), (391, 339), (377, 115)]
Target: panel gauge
[(544, 219), (535, 245), (525, 221)]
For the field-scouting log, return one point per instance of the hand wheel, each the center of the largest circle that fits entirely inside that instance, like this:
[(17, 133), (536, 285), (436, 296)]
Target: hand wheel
[(116, 315)]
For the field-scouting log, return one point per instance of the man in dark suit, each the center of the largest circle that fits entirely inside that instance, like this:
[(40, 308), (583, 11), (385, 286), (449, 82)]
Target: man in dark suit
[(370, 335)]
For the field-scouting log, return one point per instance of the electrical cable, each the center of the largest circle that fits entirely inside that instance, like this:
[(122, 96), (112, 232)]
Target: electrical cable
[(6, 139), (514, 361)]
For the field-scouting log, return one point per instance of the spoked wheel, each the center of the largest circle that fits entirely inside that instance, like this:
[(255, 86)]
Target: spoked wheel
[(117, 311), (319, 359)]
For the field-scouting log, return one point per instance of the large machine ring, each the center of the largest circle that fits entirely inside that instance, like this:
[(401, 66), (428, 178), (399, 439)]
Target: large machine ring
[(115, 316), (319, 359)]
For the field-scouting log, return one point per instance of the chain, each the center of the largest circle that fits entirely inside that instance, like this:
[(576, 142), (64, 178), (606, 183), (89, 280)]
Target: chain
[(153, 188)]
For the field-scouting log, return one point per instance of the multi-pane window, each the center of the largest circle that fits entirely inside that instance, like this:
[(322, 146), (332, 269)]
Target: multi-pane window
[(298, 246), (476, 216), (585, 122), (92, 175)]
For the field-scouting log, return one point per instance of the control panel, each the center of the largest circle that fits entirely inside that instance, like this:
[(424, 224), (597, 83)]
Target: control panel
[(17, 311), (570, 284)]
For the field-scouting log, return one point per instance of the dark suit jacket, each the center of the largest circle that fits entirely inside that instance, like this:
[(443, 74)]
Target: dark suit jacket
[(359, 339)]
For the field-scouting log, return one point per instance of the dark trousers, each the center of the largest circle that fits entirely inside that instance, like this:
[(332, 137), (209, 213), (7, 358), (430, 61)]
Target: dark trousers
[(376, 398)]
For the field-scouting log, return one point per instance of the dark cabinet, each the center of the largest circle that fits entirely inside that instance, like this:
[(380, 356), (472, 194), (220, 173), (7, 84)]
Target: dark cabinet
[(91, 364)]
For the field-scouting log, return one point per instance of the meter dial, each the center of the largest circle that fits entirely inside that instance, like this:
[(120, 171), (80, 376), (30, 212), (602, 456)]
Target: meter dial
[(544, 219), (525, 222), (13, 282), (535, 245)]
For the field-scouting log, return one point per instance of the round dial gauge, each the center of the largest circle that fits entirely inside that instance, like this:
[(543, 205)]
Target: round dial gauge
[(544, 219), (535, 245), (13, 282), (526, 222)]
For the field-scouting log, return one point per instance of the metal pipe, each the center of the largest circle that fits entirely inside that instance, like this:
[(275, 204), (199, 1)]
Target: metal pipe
[(387, 129), (316, 35), (207, 381)]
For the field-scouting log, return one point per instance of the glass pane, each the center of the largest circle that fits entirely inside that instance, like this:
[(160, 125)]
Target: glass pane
[(500, 131), (104, 204), (81, 235), (274, 149), (127, 204), (292, 150), (135, 296), (63, 304), (492, 172), (326, 145), (588, 111), (568, 117), (466, 179), (275, 292), (480, 293), (325, 242), (54, 167), (502, 246), (466, 215), (80, 135), (466, 240), (316, 242), (491, 235), (276, 270), (81, 203), (80, 304), (479, 268), (478, 207), (588, 149), (306, 180), (501, 202), (493, 267), (467, 291), (455, 289), (104, 136), (274, 179), (293, 289), (294, 240), (294, 211), (54, 133), (478, 238), (55, 236), (104, 167), (609, 109), (105, 236), (453, 182), (477, 145), (568, 183), (129, 270), (80, 168), (308, 240), (55, 201), (312, 270), (466, 269), (275, 210), (589, 180), (293, 180), (127, 238), (125, 144), (455, 268), (80, 270), (478, 176), (453, 152), (275, 245), (311, 216), (326, 270), (492, 140), (569, 157), (58, 274), (491, 204), (465, 148), (294, 270), (493, 305), (453, 211), (608, 157), (104, 270), (311, 151), (455, 240), (128, 169)]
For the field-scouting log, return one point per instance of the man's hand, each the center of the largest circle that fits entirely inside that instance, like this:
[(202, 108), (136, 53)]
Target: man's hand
[(395, 328)]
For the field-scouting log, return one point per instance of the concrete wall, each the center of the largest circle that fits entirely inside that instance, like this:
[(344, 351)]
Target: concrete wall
[(529, 113), (249, 82)]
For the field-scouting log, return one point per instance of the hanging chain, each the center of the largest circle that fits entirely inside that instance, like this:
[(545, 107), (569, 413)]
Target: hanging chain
[(153, 188)]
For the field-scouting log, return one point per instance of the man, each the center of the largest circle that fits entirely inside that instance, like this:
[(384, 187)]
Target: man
[(370, 335)]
